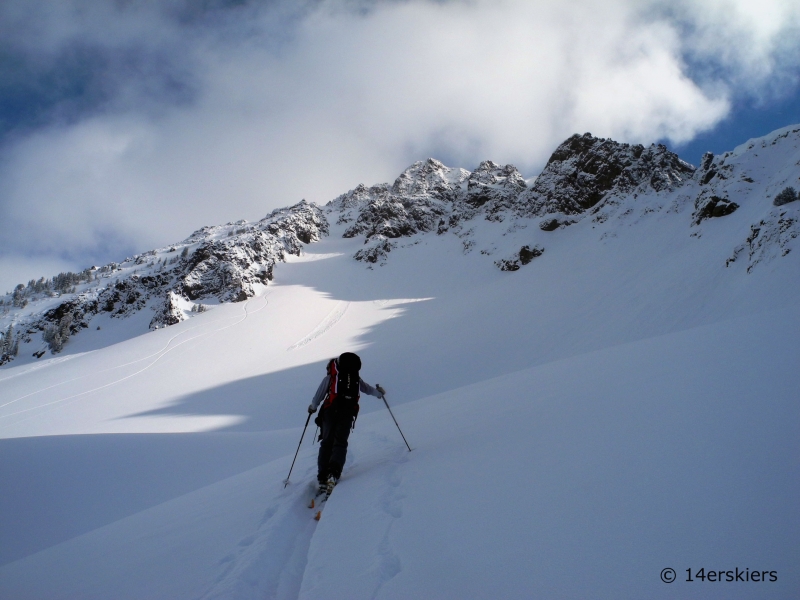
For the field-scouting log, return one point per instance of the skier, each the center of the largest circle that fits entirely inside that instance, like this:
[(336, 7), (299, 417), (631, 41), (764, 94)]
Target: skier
[(339, 393)]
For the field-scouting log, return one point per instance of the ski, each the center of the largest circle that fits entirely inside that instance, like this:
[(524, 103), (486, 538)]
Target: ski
[(315, 499), (322, 496)]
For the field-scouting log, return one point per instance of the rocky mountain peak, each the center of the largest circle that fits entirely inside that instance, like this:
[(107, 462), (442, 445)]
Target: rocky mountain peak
[(490, 210), (432, 179), (494, 184), (584, 169)]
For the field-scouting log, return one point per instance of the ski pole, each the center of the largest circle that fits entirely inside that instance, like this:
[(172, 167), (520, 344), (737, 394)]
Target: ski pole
[(285, 483), (383, 397)]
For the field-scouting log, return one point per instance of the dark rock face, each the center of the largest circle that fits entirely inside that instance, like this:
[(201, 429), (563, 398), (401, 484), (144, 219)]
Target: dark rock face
[(554, 223), (712, 206), (428, 196), (416, 202), (394, 218), (349, 203), (525, 255), (376, 253), (494, 187), (549, 224), (585, 169), (228, 268), (169, 313), (713, 170)]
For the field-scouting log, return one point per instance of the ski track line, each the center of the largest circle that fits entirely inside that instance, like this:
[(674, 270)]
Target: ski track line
[(252, 569), (164, 349), (389, 564), (44, 365), (173, 338), (271, 560), (324, 326), (165, 352)]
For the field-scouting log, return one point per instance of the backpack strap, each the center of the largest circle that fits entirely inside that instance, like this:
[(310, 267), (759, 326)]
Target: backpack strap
[(333, 373)]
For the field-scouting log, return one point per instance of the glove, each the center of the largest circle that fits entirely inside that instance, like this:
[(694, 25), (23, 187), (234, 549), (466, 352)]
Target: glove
[(311, 409), (380, 389)]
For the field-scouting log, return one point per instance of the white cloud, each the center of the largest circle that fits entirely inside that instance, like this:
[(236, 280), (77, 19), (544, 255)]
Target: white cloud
[(348, 97), (755, 43)]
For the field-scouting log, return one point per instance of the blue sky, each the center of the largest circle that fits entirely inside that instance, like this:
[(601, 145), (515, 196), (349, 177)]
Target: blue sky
[(746, 120), (125, 126)]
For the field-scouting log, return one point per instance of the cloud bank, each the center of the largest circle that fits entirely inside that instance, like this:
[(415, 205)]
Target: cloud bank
[(128, 126)]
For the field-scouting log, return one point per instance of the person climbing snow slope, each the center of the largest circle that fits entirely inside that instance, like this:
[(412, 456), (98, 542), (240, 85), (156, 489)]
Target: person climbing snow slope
[(339, 393)]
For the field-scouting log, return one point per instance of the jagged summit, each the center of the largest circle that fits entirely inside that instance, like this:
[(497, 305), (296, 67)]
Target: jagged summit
[(430, 179), (585, 169)]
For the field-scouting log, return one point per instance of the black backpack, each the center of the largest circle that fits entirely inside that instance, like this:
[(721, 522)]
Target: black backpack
[(344, 387), (346, 391)]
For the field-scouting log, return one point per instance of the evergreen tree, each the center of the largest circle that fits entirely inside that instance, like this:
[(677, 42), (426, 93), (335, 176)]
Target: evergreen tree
[(785, 197), (6, 344)]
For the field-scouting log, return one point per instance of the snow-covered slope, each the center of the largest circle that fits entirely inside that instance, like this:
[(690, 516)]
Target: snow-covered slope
[(488, 209), (623, 402)]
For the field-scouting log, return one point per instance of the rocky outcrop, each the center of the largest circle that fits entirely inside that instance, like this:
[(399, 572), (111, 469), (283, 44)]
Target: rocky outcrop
[(376, 252), (169, 313), (581, 173), (710, 206), (428, 196), (350, 203), (769, 238), (223, 262), (417, 201), (494, 187), (584, 170), (525, 255)]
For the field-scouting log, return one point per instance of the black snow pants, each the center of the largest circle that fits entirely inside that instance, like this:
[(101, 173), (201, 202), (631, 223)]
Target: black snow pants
[(336, 425)]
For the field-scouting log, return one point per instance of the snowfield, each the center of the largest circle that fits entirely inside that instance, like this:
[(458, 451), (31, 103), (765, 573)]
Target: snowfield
[(626, 402)]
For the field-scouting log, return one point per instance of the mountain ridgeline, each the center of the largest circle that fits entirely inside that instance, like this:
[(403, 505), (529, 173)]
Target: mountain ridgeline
[(587, 179)]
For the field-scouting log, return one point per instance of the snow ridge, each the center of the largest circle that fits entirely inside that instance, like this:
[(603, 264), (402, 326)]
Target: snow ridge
[(224, 263), (586, 177)]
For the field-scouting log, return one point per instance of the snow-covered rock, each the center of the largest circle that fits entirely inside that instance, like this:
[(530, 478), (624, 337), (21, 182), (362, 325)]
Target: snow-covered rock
[(491, 210), (584, 170), (225, 263), (415, 203)]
